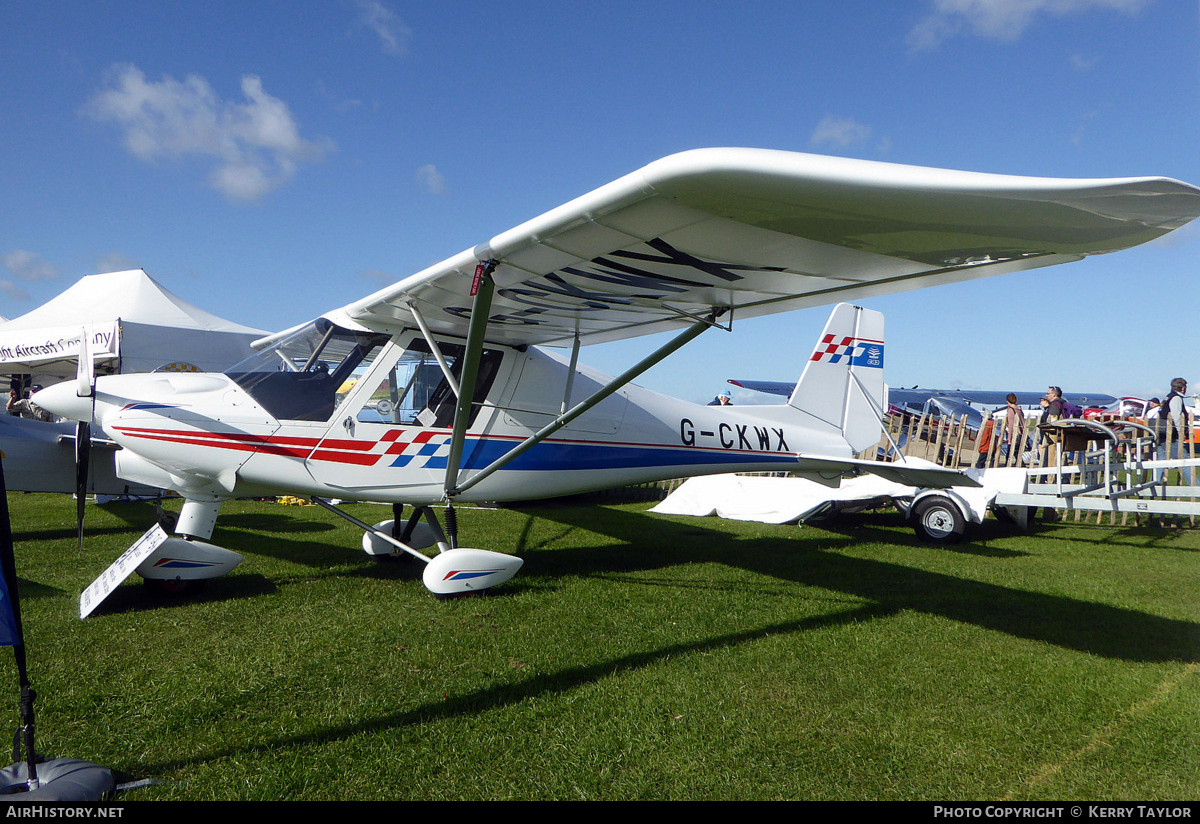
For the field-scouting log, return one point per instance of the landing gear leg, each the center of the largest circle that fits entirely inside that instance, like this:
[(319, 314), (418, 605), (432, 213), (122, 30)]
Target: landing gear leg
[(183, 562), (455, 570), (397, 515), (452, 526)]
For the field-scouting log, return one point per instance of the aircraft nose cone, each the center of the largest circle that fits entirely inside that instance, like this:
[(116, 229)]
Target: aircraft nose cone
[(61, 400)]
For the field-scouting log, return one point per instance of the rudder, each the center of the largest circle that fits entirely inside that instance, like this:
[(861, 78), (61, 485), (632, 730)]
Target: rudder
[(842, 383)]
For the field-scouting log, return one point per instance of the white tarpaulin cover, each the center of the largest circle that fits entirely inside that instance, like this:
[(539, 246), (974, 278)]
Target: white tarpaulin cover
[(769, 500), (773, 500), (133, 325)]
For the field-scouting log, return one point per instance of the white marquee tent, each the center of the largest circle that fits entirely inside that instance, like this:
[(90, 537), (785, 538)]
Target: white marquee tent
[(134, 325)]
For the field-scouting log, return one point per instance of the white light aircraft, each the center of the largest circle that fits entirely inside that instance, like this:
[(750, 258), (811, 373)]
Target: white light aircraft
[(454, 403)]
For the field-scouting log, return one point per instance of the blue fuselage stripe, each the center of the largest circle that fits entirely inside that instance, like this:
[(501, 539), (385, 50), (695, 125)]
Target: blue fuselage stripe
[(554, 456)]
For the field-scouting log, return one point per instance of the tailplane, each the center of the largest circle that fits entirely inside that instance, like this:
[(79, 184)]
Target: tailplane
[(842, 383)]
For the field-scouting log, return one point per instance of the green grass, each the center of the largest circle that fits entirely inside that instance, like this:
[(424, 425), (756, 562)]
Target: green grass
[(635, 656)]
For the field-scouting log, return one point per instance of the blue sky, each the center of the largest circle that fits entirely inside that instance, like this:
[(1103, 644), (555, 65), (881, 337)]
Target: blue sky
[(304, 154)]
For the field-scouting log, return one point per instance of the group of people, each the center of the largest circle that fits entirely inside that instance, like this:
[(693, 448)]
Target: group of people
[(1168, 417)]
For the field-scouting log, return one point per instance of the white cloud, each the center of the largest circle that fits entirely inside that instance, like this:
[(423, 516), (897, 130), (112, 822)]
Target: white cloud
[(431, 179), (28, 268), (115, 262), (392, 32), (840, 132), (1001, 20), (12, 290), (256, 144)]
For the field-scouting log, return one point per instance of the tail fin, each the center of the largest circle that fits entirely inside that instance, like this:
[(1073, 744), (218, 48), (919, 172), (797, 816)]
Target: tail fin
[(842, 384)]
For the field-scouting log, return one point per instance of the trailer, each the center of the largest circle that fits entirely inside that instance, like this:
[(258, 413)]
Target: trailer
[(1098, 467)]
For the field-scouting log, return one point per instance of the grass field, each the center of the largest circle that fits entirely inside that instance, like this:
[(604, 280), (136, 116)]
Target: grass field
[(635, 656)]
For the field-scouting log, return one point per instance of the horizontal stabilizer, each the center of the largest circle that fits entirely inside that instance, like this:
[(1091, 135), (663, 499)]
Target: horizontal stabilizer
[(912, 472), (926, 477)]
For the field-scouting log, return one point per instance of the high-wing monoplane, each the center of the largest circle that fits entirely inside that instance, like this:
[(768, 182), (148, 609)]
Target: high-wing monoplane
[(454, 400)]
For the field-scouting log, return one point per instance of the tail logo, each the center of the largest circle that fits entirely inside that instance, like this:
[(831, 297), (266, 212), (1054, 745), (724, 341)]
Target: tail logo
[(857, 351)]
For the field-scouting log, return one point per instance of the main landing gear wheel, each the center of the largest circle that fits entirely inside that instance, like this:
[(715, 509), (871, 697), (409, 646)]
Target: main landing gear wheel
[(423, 536), (938, 520)]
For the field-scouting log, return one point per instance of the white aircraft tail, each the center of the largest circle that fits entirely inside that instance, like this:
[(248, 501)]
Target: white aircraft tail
[(842, 383)]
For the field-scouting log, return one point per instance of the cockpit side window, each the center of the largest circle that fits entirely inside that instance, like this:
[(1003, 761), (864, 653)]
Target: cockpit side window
[(416, 393), (301, 377)]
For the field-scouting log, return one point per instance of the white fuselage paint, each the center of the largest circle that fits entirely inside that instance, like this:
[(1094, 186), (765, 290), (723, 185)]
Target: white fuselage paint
[(213, 439)]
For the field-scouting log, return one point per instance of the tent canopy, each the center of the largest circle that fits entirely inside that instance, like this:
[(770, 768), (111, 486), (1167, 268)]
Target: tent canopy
[(133, 325)]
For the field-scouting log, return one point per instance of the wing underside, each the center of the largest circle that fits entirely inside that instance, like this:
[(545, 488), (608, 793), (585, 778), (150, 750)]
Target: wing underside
[(754, 232)]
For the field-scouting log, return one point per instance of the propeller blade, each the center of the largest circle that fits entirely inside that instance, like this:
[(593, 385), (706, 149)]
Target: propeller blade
[(83, 452), (85, 374), (85, 387)]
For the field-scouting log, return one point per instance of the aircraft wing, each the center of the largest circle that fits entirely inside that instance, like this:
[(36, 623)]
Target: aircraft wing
[(992, 397), (917, 397), (757, 231), (768, 387)]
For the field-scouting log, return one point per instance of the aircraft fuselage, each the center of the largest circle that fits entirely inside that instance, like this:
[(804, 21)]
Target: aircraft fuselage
[(215, 437)]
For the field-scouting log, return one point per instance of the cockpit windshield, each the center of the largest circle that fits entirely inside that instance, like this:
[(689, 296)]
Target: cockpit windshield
[(416, 393), (299, 377)]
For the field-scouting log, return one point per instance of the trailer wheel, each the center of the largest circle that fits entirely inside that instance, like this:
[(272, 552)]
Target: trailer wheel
[(938, 520)]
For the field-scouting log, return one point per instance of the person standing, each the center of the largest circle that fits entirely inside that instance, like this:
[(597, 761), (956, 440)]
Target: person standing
[(1174, 429), (1013, 434), (26, 408), (1052, 410)]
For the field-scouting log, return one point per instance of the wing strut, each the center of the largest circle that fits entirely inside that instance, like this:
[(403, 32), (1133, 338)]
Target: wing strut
[(682, 339), (368, 528), (570, 374), (482, 290), (433, 347)]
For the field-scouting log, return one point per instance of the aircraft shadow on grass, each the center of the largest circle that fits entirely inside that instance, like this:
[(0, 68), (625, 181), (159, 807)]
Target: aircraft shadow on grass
[(293, 539), (321, 559), (141, 597), (285, 522), (648, 542), (1121, 538), (1071, 623), (243, 532), (563, 681), (141, 515)]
